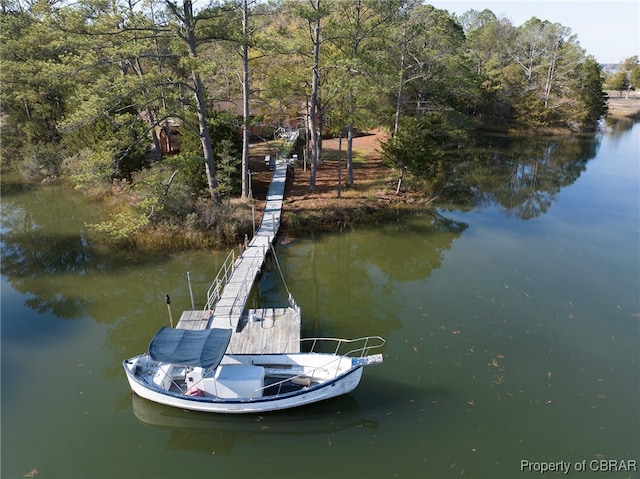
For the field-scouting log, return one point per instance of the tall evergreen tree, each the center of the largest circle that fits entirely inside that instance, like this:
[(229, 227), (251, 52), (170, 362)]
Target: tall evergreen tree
[(358, 32), (35, 86)]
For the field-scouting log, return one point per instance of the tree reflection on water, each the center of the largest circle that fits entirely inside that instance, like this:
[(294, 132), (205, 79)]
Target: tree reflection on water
[(520, 175)]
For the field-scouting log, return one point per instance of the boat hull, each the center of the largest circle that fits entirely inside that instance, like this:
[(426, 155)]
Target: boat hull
[(341, 384)]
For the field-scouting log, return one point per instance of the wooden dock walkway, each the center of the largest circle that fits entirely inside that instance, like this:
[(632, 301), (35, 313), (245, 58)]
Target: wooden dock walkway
[(233, 299), (255, 331)]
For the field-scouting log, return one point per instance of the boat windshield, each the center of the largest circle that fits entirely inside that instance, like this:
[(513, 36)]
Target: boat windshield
[(204, 348)]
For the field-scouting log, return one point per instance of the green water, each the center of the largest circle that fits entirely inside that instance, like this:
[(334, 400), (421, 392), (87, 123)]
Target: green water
[(512, 327)]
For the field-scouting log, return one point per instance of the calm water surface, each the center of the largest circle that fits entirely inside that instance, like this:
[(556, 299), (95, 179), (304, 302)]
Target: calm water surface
[(512, 327)]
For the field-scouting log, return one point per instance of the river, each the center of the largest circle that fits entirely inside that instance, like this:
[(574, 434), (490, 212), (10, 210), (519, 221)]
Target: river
[(512, 325)]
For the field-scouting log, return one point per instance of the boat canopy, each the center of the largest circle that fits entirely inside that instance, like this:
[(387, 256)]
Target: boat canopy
[(202, 348)]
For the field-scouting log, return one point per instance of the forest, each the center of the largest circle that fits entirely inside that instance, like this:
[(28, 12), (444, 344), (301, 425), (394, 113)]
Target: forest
[(155, 102)]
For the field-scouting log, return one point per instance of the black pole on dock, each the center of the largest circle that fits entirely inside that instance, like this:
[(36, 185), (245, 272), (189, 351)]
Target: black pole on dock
[(168, 299)]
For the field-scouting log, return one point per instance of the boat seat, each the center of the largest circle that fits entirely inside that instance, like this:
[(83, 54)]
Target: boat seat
[(162, 377), (233, 382)]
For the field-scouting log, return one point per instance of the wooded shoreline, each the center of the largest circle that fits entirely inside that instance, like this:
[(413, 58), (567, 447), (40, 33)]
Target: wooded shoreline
[(150, 110), (373, 199)]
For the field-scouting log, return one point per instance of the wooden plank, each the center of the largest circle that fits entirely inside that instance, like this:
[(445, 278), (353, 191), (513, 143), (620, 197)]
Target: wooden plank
[(194, 319), (272, 330)]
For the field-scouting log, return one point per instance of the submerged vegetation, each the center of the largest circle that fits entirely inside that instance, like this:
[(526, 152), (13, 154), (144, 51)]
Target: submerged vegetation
[(149, 106)]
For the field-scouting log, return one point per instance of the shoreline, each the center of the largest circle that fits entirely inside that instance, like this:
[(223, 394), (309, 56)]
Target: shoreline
[(372, 198), (621, 107)]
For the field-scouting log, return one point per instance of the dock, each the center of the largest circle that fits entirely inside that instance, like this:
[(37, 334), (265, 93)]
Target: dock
[(260, 330), (271, 330)]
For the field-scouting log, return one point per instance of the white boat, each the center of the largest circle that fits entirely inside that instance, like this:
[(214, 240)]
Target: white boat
[(190, 370)]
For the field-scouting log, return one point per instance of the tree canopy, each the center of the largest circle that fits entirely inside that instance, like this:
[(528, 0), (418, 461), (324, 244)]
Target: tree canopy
[(90, 88)]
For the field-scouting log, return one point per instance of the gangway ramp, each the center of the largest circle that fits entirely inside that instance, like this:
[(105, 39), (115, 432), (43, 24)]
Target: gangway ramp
[(227, 297), (233, 298)]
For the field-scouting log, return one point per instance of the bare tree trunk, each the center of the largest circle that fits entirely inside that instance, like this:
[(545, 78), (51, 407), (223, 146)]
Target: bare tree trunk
[(245, 100), (396, 123), (189, 36), (315, 85), (340, 165), (350, 98), (553, 59), (350, 140), (205, 140)]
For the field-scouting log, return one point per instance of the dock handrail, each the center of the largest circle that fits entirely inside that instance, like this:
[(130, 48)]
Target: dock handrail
[(220, 281)]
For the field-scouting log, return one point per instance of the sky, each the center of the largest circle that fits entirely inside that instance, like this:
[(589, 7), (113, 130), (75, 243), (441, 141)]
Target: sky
[(608, 30)]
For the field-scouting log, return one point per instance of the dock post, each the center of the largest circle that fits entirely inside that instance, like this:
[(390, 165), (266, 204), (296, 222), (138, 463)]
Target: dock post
[(253, 215), (190, 290), (168, 300)]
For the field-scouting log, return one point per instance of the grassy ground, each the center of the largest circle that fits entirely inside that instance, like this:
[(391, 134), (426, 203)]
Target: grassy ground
[(620, 106)]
